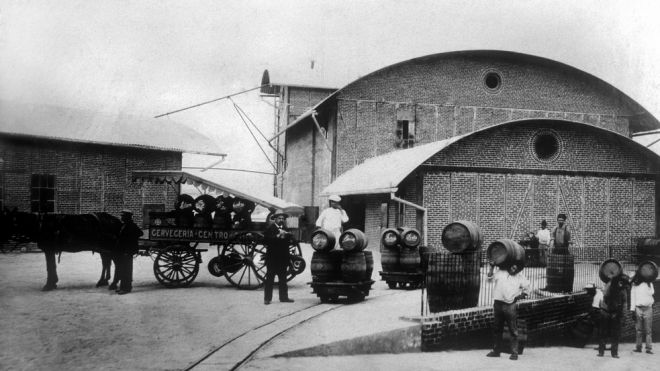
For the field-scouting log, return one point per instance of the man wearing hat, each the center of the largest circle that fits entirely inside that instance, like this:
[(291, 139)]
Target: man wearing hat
[(277, 240), (560, 236), (127, 245), (333, 217)]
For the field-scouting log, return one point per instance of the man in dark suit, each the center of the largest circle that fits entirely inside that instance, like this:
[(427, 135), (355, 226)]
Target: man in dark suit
[(276, 240), (127, 245)]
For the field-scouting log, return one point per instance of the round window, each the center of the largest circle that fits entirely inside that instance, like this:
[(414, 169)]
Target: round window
[(492, 81), (546, 146)]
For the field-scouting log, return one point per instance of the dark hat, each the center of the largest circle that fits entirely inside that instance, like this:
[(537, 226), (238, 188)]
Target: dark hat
[(279, 212), (563, 216), (543, 222)]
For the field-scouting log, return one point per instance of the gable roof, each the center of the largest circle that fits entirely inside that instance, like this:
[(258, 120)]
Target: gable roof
[(74, 125)]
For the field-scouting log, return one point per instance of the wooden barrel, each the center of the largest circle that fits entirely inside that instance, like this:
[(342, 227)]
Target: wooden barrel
[(325, 265), (390, 237), (462, 236), (453, 280), (410, 237), (560, 273), (424, 255), (353, 240), (649, 246), (608, 269), (409, 259), (389, 259), (504, 253), (323, 240), (369, 257), (648, 270), (354, 266)]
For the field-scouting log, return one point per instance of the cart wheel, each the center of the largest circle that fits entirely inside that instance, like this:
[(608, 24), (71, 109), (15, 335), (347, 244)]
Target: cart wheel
[(246, 268), (176, 266), (391, 284), (298, 263), (296, 266), (215, 267)]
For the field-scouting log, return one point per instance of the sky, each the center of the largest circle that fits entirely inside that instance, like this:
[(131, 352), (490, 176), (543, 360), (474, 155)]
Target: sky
[(152, 57)]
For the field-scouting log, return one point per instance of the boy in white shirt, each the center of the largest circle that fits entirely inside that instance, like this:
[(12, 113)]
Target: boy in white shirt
[(641, 307)]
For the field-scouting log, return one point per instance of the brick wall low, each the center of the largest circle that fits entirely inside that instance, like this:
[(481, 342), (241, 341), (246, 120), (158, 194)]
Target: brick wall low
[(546, 322)]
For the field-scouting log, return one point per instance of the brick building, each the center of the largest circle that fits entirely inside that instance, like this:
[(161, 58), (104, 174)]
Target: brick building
[(499, 138), (61, 160)]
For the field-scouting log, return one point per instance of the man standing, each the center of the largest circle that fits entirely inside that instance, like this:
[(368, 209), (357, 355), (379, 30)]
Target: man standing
[(333, 217), (615, 300), (543, 235), (510, 286), (560, 236), (277, 240), (127, 245), (641, 306)]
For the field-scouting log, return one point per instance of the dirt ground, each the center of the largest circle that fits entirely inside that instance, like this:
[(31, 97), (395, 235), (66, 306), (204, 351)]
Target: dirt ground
[(81, 327)]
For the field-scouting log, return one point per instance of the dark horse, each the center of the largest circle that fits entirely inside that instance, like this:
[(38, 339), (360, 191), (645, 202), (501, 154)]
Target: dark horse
[(55, 233)]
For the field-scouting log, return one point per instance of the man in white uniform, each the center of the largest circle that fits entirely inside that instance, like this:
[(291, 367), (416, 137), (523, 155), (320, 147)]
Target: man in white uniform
[(333, 217)]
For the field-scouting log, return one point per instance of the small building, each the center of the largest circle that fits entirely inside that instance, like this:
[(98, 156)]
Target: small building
[(499, 138), (61, 160)]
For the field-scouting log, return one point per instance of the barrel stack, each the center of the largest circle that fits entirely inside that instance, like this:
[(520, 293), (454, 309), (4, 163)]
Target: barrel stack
[(326, 260), (453, 277), (357, 264)]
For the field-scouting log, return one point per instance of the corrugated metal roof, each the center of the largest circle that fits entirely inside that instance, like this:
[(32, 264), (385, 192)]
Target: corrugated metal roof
[(183, 177), (382, 174), (61, 123)]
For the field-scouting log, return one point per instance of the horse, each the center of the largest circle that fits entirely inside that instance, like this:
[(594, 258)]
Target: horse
[(57, 233)]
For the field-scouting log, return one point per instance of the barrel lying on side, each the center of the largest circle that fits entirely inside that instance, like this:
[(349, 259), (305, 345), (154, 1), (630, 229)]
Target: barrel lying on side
[(323, 240), (453, 280), (410, 237), (390, 238), (648, 271), (353, 240), (462, 236), (608, 269), (504, 253)]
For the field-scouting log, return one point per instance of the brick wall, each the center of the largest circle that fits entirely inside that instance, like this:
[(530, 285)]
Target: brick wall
[(88, 178), (605, 211), (546, 322)]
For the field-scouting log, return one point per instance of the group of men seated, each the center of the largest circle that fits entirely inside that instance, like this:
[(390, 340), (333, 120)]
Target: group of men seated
[(222, 212)]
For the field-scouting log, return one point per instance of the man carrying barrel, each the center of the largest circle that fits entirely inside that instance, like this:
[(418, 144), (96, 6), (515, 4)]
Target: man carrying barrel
[(510, 286), (560, 236), (333, 217), (277, 239), (641, 307)]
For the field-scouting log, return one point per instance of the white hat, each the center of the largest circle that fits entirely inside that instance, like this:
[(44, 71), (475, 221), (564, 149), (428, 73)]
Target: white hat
[(334, 198)]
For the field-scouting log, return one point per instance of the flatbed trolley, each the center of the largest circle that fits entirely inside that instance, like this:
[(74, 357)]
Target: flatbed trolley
[(331, 291), (403, 280)]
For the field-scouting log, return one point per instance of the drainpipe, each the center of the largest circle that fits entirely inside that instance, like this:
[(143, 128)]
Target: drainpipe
[(423, 209)]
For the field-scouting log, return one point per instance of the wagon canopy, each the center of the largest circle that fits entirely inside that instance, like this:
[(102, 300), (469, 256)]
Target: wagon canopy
[(182, 177)]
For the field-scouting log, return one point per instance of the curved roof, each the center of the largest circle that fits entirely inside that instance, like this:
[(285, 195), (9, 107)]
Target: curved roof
[(384, 173), (646, 120), (73, 125), (182, 177)]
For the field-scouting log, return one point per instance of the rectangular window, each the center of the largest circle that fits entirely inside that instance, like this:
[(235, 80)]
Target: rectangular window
[(405, 133), (42, 193)]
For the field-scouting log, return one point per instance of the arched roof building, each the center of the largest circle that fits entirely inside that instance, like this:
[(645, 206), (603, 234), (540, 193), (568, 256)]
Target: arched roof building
[(499, 138)]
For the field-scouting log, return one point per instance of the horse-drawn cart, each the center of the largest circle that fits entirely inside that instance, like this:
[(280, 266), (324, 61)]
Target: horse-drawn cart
[(240, 259), (241, 252)]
